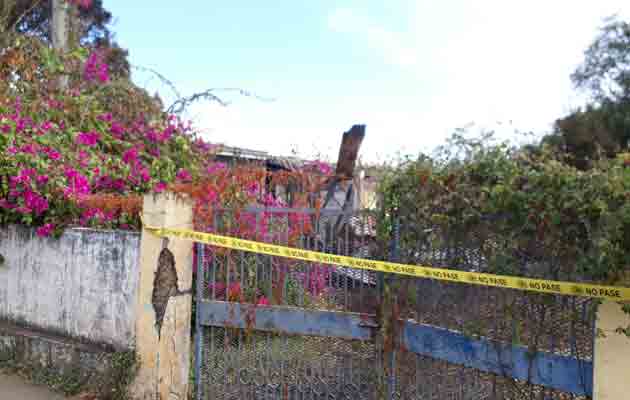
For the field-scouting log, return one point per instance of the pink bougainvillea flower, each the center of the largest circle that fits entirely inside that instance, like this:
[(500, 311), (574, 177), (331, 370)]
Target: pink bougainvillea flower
[(20, 125), (106, 117), (23, 177), (46, 126), (91, 66), (96, 215), (28, 171), (4, 203), (253, 188), (118, 184), (95, 68), (216, 168), (130, 156), (270, 201), (54, 155), (88, 138), (104, 182), (183, 175), (159, 187), (152, 136), (117, 130), (316, 280), (46, 230), (85, 4), (42, 179), (24, 210), (55, 104), (29, 149), (103, 73), (321, 167), (167, 133), (204, 147), (34, 202), (211, 196), (78, 185), (263, 301)]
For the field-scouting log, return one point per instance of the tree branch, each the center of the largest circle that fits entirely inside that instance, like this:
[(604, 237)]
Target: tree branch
[(180, 105)]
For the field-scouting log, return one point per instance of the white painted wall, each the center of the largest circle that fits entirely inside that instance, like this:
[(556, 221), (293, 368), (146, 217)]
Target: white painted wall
[(82, 285)]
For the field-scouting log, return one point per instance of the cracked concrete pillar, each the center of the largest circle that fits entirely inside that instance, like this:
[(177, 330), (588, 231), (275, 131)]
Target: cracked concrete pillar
[(164, 303)]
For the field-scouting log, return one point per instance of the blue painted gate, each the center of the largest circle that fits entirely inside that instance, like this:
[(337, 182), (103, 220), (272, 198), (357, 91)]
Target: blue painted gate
[(272, 328)]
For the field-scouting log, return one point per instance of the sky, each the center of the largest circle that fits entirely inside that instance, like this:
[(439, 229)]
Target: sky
[(412, 71)]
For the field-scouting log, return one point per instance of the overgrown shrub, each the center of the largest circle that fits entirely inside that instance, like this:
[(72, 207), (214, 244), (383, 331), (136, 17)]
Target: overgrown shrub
[(519, 207)]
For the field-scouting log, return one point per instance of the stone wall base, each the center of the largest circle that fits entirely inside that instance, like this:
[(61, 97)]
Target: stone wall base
[(66, 365)]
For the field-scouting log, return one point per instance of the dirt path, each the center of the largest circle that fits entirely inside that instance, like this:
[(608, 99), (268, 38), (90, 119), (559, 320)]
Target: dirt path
[(14, 388)]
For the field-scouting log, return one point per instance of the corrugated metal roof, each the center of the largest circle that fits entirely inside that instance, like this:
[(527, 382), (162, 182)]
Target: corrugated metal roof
[(287, 163), (242, 152)]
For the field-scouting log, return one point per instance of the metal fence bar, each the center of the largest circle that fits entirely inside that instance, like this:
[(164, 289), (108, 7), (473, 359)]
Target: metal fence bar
[(549, 370), (286, 320), (198, 328)]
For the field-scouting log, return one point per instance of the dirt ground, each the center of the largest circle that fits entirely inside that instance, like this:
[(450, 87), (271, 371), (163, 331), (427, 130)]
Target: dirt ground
[(14, 388)]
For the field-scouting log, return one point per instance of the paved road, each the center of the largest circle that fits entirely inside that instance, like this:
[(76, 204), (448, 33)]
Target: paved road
[(14, 388)]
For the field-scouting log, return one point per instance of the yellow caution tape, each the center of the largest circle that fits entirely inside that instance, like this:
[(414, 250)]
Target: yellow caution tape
[(511, 282)]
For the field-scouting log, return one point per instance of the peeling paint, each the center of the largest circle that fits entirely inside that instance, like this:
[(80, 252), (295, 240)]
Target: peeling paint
[(164, 286)]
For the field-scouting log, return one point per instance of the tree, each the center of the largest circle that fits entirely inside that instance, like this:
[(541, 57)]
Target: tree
[(605, 71), (602, 127), (89, 26), (33, 17)]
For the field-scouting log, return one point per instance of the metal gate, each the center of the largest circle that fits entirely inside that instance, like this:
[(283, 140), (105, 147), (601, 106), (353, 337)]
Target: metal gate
[(273, 328)]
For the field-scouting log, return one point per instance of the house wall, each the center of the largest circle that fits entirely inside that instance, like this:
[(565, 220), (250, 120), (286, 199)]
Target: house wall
[(367, 193)]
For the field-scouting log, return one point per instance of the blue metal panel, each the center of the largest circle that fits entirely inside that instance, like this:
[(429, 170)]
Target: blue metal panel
[(550, 370), (287, 320)]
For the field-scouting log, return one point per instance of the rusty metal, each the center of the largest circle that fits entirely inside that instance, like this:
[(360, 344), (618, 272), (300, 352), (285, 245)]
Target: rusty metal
[(336, 333)]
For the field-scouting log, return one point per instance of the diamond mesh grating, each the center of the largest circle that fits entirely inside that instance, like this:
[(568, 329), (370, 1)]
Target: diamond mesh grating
[(561, 325), (238, 365)]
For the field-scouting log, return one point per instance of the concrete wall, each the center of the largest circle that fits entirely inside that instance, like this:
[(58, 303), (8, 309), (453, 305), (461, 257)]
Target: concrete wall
[(83, 285), (612, 354)]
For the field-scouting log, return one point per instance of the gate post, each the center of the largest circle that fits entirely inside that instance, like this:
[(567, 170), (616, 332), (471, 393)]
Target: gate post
[(164, 303), (390, 329), (611, 354)]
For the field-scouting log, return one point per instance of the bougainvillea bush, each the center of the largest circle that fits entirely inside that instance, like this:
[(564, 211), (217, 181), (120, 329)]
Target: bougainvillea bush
[(62, 147), (83, 154)]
